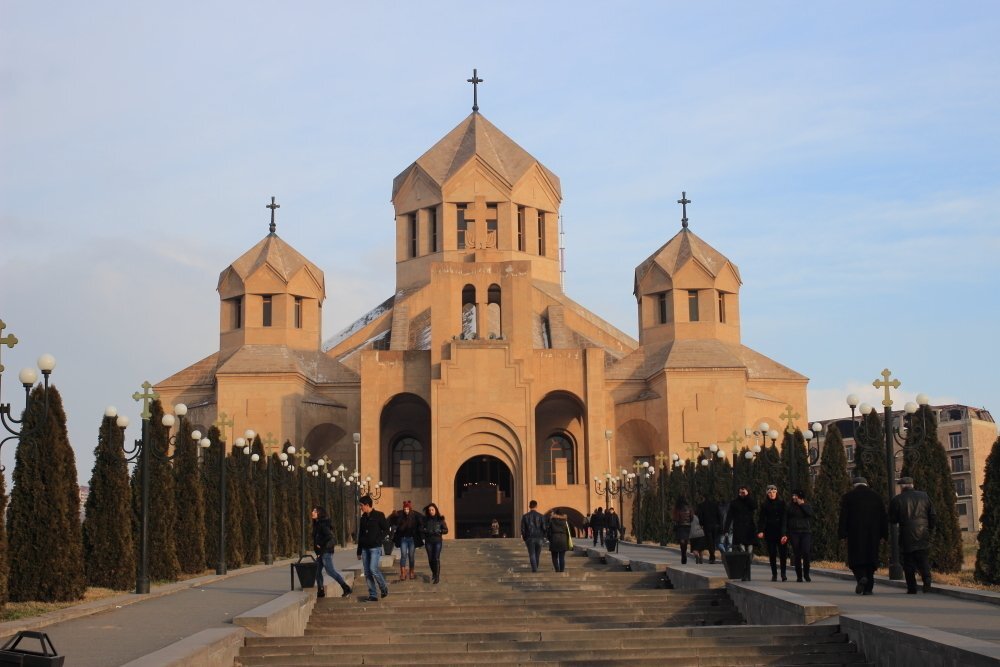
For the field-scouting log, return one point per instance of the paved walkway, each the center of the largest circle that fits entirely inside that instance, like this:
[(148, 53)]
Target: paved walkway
[(130, 627), (943, 612), (122, 633)]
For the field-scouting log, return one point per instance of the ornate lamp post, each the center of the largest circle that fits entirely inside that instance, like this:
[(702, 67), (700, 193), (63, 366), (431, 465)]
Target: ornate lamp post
[(735, 440), (28, 377), (368, 488), (140, 450), (610, 487), (816, 431), (633, 485), (304, 468), (709, 460), (891, 435)]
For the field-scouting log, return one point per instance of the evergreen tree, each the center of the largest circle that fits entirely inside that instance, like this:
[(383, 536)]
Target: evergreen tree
[(832, 482), (742, 472), (210, 481), (162, 550), (4, 569), (767, 469), (44, 532), (248, 505), (190, 501), (677, 486), (795, 442), (108, 551), (927, 463), (235, 482), (283, 486), (988, 552), (869, 454)]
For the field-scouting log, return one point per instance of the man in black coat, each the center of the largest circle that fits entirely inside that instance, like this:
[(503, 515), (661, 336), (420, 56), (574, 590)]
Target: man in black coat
[(372, 531), (863, 522), (914, 513), (533, 529)]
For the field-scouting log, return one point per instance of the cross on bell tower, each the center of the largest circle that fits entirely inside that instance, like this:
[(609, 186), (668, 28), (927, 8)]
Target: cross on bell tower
[(273, 206), (684, 201), (475, 81)]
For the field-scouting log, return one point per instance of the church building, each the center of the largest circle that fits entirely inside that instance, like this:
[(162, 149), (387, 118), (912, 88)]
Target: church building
[(480, 384)]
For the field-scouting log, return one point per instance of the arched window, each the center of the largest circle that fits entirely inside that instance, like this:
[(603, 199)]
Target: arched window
[(408, 449), (494, 312), (558, 446), (469, 312)]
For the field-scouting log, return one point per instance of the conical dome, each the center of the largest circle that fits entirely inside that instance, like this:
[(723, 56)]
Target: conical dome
[(685, 246), (476, 136), (281, 263)]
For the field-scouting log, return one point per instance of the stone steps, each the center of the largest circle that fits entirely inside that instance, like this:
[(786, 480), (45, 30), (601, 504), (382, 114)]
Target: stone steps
[(490, 609)]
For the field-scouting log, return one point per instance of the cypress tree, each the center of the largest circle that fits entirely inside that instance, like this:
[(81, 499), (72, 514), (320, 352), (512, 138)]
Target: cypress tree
[(742, 472), (190, 501), (988, 551), (832, 482), (927, 463), (163, 565), (4, 569), (869, 454), (248, 504), (44, 532), (108, 547), (677, 486), (768, 468), (795, 442), (235, 478), (210, 490)]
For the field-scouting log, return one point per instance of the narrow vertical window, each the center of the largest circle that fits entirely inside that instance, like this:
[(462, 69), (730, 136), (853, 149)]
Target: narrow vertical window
[(520, 228), (491, 226), (238, 313), (469, 324), (661, 302), (722, 307), (541, 233), (432, 224), (412, 219), (693, 305), (266, 311), (461, 224), (298, 312), (494, 312)]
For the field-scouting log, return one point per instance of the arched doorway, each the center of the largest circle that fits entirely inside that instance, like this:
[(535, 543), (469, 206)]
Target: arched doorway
[(484, 490)]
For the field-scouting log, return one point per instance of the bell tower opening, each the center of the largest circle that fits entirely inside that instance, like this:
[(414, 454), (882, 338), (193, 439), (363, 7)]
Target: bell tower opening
[(484, 491)]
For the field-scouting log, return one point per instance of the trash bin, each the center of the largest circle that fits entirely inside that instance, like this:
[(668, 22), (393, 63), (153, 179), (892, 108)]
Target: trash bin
[(12, 656), (737, 564), (306, 572)]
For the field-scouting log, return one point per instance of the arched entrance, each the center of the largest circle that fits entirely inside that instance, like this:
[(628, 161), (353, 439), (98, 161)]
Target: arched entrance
[(484, 490)]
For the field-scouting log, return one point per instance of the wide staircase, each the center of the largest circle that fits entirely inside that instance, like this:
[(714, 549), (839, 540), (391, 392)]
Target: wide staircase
[(491, 609)]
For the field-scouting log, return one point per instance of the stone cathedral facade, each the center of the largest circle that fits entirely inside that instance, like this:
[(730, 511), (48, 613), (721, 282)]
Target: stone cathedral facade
[(480, 384)]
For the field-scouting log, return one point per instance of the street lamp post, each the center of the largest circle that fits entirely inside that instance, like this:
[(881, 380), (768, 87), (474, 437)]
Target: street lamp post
[(304, 468), (609, 488), (369, 488), (141, 449), (27, 377), (272, 478), (890, 435), (356, 477)]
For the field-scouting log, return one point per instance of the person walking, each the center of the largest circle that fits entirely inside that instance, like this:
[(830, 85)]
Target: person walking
[(710, 519), (533, 531), (372, 529), (405, 538), (434, 526), (914, 513), (772, 527), (324, 543), (739, 519), (559, 539), (800, 515), (863, 523), (682, 526), (597, 525), (612, 529)]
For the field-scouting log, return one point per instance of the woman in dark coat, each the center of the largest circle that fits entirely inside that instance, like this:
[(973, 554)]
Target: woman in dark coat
[(800, 514), (558, 534), (740, 519), (323, 543), (434, 526), (682, 526)]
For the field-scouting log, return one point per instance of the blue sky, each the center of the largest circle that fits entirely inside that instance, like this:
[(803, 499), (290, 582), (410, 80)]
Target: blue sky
[(845, 156)]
